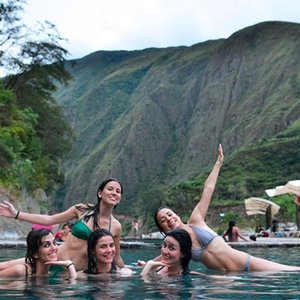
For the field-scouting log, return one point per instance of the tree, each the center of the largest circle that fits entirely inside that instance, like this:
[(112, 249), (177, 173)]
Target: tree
[(34, 63)]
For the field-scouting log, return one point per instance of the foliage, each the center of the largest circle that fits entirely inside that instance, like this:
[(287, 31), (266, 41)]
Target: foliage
[(35, 134)]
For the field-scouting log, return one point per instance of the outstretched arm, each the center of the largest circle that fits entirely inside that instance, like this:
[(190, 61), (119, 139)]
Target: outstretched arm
[(199, 212), (9, 211)]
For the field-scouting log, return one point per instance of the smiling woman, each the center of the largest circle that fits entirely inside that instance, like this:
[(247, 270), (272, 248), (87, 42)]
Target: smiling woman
[(175, 255), (89, 218), (101, 252), (41, 253)]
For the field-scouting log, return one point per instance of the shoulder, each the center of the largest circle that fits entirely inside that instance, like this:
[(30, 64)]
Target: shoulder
[(116, 224), (16, 270)]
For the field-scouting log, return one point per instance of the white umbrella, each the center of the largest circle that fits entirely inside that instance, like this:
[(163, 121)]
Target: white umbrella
[(292, 187), (255, 206)]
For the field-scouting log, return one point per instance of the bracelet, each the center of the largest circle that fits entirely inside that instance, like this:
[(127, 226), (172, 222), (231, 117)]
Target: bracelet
[(17, 215), (69, 265)]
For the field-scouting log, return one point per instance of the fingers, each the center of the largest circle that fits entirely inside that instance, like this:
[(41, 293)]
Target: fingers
[(141, 263), (220, 149)]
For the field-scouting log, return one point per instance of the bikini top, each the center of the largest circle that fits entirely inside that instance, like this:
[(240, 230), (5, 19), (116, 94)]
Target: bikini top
[(112, 270), (82, 231), (204, 238)]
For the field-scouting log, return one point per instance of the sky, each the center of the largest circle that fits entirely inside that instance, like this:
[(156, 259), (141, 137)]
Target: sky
[(93, 25)]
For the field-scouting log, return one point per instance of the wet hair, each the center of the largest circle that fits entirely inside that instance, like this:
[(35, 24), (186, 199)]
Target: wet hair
[(156, 219), (231, 224), (185, 243), (34, 241), (104, 183), (92, 242)]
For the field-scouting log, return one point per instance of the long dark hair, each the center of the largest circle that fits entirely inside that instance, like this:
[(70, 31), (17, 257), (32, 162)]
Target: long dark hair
[(96, 208), (92, 242), (185, 243), (156, 219), (33, 241), (231, 224)]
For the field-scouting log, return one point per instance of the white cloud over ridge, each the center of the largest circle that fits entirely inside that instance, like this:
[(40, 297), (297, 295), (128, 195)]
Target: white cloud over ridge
[(137, 24)]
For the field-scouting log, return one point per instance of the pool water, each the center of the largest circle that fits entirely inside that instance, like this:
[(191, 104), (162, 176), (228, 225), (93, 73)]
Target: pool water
[(243, 285)]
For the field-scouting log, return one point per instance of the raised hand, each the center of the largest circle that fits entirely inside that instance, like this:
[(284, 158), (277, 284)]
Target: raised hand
[(7, 210), (220, 158)]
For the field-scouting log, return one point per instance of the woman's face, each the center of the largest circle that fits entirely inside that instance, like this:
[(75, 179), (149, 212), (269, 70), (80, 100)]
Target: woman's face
[(105, 249), (111, 193), (170, 251), (66, 230), (168, 219), (47, 249)]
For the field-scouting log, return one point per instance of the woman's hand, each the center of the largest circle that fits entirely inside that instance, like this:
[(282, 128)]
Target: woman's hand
[(141, 263), (65, 263), (150, 265), (8, 210), (220, 158)]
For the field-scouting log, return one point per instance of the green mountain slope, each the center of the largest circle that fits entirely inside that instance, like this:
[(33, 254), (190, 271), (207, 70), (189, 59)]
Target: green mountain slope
[(153, 118)]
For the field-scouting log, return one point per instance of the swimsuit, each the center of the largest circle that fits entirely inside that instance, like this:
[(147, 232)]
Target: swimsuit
[(247, 264), (113, 269), (81, 230), (204, 238)]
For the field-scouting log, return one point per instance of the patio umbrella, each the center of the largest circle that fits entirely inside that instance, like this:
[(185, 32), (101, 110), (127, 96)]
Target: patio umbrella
[(292, 187), (259, 206)]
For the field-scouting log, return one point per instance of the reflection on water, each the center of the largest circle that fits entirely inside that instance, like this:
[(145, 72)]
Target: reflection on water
[(234, 286)]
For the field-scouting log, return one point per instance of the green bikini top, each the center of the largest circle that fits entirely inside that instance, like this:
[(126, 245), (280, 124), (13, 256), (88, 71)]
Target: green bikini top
[(81, 230)]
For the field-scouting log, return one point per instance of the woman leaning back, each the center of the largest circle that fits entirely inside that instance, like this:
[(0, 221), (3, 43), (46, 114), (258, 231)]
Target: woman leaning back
[(207, 247), (89, 217), (41, 254)]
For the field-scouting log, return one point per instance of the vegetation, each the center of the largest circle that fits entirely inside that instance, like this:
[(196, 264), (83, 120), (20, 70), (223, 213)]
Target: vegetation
[(34, 133)]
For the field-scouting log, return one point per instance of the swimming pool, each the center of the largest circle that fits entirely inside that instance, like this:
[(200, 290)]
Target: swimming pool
[(284, 285)]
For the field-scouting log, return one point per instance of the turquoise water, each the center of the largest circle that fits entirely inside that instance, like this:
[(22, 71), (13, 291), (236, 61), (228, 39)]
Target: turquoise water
[(285, 285)]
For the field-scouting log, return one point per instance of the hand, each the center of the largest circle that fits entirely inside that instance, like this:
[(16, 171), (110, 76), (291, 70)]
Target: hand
[(154, 264), (7, 210), (150, 265), (220, 158), (141, 263)]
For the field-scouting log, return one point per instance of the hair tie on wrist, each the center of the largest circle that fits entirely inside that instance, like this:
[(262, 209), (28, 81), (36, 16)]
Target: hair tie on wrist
[(69, 265), (17, 215)]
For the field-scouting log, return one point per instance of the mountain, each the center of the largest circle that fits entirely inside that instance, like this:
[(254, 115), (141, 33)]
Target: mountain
[(153, 118)]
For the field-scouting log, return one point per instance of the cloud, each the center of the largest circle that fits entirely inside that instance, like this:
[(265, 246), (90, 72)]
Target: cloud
[(137, 24)]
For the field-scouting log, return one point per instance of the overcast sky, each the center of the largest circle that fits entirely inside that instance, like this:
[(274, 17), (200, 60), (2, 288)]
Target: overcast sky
[(92, 25)]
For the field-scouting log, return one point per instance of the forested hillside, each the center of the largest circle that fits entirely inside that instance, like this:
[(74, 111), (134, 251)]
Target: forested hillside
[(153, 118)]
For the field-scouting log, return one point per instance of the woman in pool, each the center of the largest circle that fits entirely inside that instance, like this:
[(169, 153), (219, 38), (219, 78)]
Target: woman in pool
[(89, 217), (41, 253), (207, 247), (101, 252), (233, 233), (175, 255)]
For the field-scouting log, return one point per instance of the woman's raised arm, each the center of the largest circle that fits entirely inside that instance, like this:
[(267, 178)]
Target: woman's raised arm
[(199, 212)]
